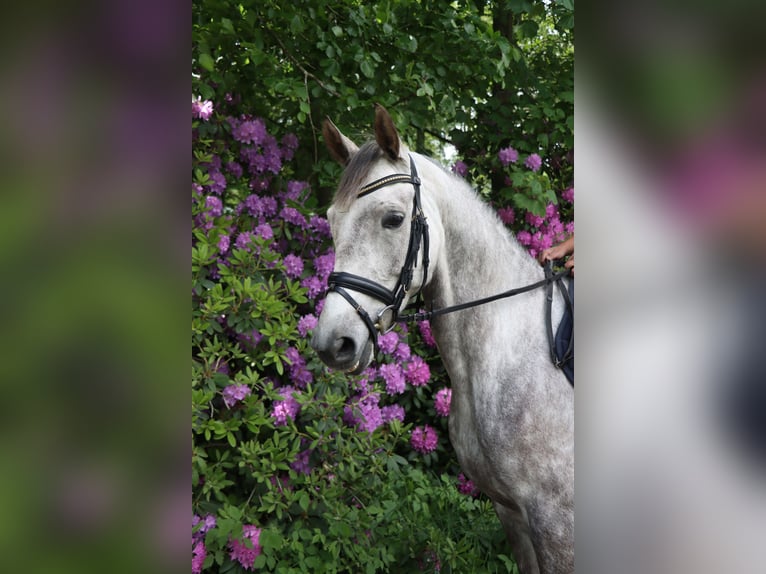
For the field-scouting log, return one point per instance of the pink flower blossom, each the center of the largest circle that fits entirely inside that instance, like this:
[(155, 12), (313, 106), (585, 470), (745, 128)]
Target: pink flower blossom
[(460, 168), (301, 463), (391, 412), (507, 215), (418, 373), (402, 352), (425, 331), (424, 439), (199, 553), (442, 401), (568, 195), (394, 377), (323, 264), (241, 552), (533, 220), (466, 486), (235, 393), (306, 324), (287, 408), (508, 155), (533, 162), (387, 343), (202, 109), (223, 244), (293, 266)]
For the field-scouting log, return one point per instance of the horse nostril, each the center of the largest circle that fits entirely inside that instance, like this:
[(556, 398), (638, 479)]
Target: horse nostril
[(344, 349)]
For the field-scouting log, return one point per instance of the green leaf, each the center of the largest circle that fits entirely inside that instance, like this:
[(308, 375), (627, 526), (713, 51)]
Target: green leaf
[(206, 62), (270, 539), (368, 69)]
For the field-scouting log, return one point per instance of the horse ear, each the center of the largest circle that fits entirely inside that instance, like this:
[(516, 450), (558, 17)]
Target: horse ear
[(341, 148), (385, 132)]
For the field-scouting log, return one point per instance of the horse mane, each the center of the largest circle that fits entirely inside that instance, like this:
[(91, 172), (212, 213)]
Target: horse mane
[(356, 172)]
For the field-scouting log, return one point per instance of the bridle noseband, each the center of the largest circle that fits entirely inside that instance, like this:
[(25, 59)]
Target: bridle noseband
[(392, 299)]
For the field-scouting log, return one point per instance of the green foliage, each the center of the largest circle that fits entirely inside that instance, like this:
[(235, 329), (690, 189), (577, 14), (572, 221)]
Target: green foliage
[(476, 75)]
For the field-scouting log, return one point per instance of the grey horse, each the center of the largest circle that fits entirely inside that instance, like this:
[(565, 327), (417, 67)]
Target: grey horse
[(512, 414)]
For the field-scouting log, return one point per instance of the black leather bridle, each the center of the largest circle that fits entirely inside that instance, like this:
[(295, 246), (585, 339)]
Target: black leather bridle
[(392, 299)]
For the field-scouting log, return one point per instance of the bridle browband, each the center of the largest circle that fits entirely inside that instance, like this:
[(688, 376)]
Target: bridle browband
[(339, 281)]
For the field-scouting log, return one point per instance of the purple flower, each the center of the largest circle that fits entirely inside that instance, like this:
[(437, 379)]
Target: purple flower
[(319, 306), (324, 264), (568, 194), (268, 206), (199, 553), (466, 486), (524, 237), (292, 215), (218, 182), (508, 155), (320, 226), (394, 377), (569, 227), (235, 393), (234, 169), (206, 524), (253, 204), (297, 370), (392, 412), (287, 408), (402, 352), (223, 244), (301, 463), (424, 439), (265, 231), (533, 162), (290, 144), (533, 220), (507, 215), (371, 417), (387, 343), (250, 132), (314, 286), (213, 205), (202, 109), (293, 266), (241, 552), (306, 324), (250, 339), (442, 401), (294, 189), (425, 331), (243, 240), (551, 211), (417, 373), (460, 168)]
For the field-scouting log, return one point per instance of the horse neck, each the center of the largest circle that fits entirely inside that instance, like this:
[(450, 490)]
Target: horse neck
[(479, 257)]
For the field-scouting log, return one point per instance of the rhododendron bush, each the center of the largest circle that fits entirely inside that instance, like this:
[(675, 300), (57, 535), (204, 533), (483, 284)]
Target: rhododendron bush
[(296, 468)]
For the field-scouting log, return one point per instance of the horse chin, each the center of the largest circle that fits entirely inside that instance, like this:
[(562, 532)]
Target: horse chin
[(364, 360)]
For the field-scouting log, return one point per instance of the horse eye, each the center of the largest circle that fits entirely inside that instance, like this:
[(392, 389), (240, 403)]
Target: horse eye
[(392, 220)]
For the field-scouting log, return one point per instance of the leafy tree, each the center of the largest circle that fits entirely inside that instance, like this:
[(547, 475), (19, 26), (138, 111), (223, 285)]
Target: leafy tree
[(473, 75)]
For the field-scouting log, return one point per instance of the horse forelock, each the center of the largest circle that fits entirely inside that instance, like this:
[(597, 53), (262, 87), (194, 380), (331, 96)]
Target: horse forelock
[(356, 173)]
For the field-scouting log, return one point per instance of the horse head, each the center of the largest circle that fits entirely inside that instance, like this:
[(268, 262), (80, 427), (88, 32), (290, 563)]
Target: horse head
[(380, 234)]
